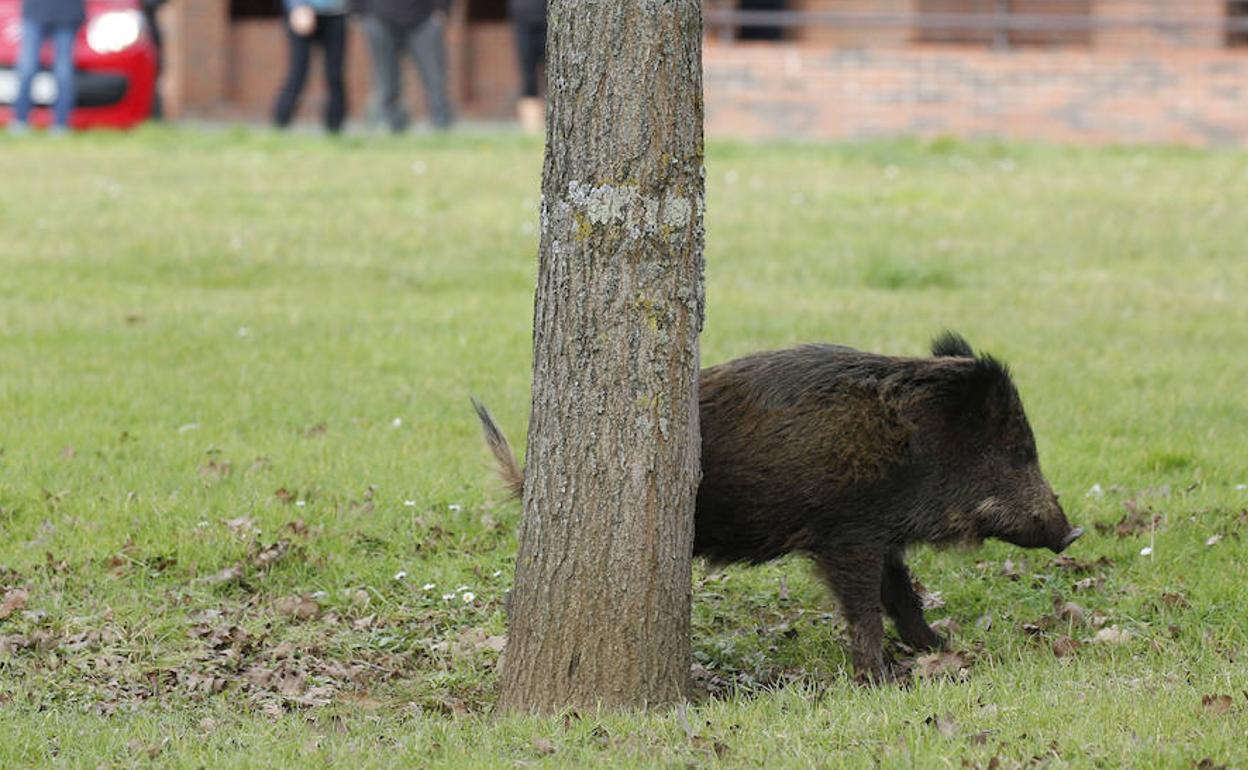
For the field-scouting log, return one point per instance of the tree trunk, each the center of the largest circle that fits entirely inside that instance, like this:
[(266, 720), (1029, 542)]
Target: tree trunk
[(599, 613)]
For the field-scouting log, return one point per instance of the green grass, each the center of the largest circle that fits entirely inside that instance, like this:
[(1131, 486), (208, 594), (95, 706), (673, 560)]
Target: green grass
[(234, 371)]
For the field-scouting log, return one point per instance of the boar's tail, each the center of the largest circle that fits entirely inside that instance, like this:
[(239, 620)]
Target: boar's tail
[(508, 469), (951, 344)]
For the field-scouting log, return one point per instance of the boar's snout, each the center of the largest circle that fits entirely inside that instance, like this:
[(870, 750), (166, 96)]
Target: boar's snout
[(1062, 534), (1034, 521)]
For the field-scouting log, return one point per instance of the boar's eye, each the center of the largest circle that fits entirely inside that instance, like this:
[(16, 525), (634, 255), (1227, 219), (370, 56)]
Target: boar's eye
[(1024, 453)]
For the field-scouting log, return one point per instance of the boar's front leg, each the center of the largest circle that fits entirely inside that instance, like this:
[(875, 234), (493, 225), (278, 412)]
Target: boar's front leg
[(854, 575), (904, 605)]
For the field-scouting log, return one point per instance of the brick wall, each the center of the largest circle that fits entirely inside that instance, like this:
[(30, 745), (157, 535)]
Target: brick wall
[(1126, 85), (1187, 96), (196, 57)]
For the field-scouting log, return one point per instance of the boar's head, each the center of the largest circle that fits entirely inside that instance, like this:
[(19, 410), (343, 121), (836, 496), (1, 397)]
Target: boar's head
[(976, 433)]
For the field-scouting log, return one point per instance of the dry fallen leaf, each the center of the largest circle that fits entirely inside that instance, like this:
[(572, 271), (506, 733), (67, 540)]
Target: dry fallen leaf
[(269, 555), (243, 525), (14, 600), (1090, 584), (214, 471), (932, 600), (316, 431), (1071, 564), (941, 664), (1175, 600), (1133, 523), (1064, 647), (543, 746), (452, 705), (1216, 704), (299, 607), (291, 683), (1111, 635), (227, 575), (943, 723), (1071, 612), (475, 640)]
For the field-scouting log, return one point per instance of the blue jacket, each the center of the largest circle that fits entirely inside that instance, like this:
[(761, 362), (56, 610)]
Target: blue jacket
[(55, 11), (323, 7)]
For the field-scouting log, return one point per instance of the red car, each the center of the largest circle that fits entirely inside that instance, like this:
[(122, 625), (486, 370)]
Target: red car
[(114, 67)]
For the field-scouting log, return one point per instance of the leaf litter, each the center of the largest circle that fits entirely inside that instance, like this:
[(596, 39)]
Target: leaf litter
[(273, 654)]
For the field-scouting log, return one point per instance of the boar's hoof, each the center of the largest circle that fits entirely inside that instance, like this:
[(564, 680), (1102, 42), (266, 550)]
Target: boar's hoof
[(885, 675)]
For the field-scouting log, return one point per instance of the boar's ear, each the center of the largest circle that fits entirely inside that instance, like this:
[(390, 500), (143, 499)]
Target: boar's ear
[(951, 344), (977, 391)]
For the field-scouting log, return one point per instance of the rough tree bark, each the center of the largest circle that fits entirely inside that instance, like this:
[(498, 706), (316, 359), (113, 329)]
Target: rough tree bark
[(599, 613)]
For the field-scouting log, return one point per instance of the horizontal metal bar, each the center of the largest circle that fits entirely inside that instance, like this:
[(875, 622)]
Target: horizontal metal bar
[(987, 22)]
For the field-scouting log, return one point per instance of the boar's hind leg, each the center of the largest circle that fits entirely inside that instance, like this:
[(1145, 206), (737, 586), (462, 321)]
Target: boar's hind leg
[(904, 605), (854, 576)]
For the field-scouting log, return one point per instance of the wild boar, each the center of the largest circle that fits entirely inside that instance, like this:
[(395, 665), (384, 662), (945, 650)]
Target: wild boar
[(851, 458)]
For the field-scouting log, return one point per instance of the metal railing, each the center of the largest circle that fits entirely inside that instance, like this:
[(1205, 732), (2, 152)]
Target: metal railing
[(998, 27)]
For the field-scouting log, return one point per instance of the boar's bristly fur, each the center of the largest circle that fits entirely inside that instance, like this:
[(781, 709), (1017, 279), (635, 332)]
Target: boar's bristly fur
[(852, 457), (508, 469)]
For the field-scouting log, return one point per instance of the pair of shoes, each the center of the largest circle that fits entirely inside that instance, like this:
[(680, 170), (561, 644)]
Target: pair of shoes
[(531, 112), (19, 129)]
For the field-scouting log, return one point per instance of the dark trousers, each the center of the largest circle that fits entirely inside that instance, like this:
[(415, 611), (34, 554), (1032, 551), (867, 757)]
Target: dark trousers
[(531, 48), (427, 45), (331, 35), (153, 28)]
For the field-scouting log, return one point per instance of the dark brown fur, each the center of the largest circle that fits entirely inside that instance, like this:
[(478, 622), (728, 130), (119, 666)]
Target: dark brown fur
[(851, 457)]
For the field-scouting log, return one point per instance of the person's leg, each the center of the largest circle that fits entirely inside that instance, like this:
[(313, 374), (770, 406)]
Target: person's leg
[(531, 49), (63, 67), (27, 68), (297, 72), (333, 33), (383, 46), (153, 28), (428, 46)]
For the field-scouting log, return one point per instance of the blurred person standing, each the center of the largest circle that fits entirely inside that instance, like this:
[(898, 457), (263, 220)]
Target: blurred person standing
[(528, 21), (418, 27), (153, 29), (43, 20), (323, 22)]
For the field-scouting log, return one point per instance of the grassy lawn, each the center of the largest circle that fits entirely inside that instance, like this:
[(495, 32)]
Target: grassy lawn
[(246, 518)]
